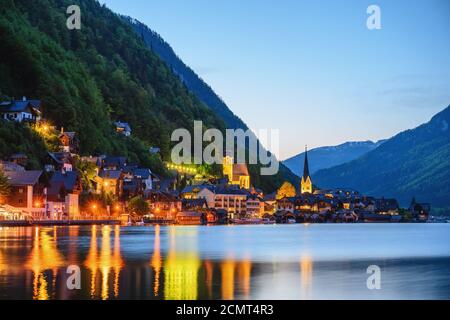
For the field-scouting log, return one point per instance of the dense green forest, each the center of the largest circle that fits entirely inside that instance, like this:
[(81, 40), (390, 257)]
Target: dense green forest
[(89, 78)]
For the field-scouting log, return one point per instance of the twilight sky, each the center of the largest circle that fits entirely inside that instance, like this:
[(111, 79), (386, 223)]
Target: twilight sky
[(312, 68)]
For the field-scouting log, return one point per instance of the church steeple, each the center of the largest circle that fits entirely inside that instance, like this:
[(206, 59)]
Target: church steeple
[(306, 183), (306, 165)]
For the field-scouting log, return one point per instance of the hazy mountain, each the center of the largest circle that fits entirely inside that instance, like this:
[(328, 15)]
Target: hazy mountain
[(413, 163), (327, 157)]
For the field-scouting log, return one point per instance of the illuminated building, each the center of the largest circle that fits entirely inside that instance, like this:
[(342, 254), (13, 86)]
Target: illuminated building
[(237, 173), (306, 183)]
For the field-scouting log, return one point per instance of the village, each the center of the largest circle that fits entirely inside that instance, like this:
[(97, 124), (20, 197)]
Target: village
[(104, 189)]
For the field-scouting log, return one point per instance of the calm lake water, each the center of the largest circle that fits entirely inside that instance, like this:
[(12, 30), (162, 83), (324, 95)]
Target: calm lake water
[(327, 261)]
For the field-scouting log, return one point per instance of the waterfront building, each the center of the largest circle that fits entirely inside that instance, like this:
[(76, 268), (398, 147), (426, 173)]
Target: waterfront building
[(163, 205), (254, 206), (234, 201), (27, 192), (63, 195), (419, 211)]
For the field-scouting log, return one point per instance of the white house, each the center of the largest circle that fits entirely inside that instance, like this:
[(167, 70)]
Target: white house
[(21, 110)]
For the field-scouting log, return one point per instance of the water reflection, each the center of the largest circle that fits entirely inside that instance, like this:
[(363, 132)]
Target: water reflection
[(107, 262), (156, 261), (306, 275), (182, 265), (208, 263), (44, 256)]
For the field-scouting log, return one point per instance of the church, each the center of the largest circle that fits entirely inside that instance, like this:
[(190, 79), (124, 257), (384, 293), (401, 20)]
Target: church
[(237, 173), (306, 185)]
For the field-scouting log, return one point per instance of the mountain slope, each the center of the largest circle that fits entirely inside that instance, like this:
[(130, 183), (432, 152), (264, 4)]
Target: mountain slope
[(413, 163), (105, 72), (207, 95), (327, 157), (91, 77), (192, 81)]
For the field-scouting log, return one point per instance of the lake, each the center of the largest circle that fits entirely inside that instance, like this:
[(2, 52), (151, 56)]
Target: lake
[(316, 261)]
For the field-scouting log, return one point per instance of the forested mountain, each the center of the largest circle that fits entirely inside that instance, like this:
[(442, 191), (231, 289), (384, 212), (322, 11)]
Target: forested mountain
[(413, 163), (205, 94), (89, 78), (327, 157), (192, 81)]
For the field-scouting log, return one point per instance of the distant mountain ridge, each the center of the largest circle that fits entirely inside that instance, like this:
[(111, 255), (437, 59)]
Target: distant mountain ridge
[(415, 162), (330, 156)]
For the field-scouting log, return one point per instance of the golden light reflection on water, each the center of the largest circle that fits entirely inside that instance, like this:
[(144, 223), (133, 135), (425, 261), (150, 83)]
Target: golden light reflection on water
[(44, 256), (181, 266), (306, 271), (227, 268), (108, 262), (244, 276), (156, 261)]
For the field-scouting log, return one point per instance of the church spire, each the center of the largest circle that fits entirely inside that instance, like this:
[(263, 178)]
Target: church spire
[(306, 165), (306, 182)]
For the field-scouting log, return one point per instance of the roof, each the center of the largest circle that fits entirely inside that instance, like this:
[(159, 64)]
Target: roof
[(123, 125), (142, 173), (197, 188), (60, 157), (110, 174), (386, 204), (20, 105), (71, 135), (68, 179), (10, 166), (194, 203), (240, 169), (115, 161), (23, 178), (230, 191)]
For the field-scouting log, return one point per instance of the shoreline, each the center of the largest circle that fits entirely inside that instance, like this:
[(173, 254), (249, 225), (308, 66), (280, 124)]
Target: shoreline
[(51, 223)]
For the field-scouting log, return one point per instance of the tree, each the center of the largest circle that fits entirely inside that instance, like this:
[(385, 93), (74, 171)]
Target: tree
[(87, 172), (138, 206), (286, 190), (5, 188)]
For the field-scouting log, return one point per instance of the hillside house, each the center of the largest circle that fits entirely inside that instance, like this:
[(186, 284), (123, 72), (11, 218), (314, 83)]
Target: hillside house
[(21, 110)]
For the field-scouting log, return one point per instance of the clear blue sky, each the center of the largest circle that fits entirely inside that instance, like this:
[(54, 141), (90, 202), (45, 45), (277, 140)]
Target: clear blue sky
[(311, 68)]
